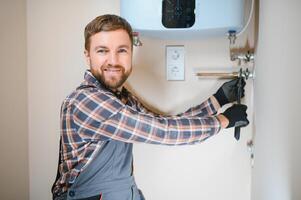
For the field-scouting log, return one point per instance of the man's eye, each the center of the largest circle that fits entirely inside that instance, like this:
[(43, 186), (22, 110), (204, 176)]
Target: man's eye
[(102, 51), (122, 50)]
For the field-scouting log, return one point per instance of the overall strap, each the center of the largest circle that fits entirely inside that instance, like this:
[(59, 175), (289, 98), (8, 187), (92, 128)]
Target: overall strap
[(58, 166)]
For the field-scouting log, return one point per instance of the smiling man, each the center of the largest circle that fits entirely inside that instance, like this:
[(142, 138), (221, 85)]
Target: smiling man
[(109, 55), (100, 120)]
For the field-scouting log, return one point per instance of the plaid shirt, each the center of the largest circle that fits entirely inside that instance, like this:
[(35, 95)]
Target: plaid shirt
[(93, 114)]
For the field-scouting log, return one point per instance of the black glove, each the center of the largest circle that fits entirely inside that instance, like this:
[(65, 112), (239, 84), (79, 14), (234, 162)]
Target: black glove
[(228, 92), (237, 116)]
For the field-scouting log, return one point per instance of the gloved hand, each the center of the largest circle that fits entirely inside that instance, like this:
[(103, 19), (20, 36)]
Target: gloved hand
[(228, 92), (237, 116)]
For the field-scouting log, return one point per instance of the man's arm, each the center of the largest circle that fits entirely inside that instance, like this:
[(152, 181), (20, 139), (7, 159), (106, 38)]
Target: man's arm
[(227, 93), (207, 108), (99, 117)]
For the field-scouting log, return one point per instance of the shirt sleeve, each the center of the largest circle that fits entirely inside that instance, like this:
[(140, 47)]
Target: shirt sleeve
[(207, 108), (99, 116)]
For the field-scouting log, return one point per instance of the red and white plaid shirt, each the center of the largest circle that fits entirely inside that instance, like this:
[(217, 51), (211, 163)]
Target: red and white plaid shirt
[(93, 114)]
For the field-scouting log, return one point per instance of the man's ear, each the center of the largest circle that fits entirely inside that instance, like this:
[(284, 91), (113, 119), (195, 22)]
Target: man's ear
[(87, 57)]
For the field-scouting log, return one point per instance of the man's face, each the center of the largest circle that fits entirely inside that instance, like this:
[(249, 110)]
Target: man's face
[(110, 57)]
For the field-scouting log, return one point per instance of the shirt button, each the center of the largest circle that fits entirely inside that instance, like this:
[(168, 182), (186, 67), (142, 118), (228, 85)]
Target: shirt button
[(71, 193)]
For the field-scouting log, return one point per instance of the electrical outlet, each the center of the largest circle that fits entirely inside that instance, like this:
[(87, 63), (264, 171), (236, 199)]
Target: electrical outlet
[(175, 63)]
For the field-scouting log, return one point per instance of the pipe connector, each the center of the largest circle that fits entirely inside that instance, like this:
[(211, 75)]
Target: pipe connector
[(136, 39)]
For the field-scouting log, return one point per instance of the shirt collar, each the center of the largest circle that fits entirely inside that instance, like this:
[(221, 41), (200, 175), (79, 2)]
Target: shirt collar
[(91, 80)]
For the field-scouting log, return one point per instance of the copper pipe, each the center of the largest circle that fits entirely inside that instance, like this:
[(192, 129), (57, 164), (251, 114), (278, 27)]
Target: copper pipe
[(227, 75), (230, 75)]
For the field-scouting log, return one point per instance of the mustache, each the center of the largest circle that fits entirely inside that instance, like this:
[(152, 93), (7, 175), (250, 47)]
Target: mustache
[(108, 67)]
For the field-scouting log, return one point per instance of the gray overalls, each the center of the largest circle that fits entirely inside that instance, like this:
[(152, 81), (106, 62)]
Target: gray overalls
[(110, 173)]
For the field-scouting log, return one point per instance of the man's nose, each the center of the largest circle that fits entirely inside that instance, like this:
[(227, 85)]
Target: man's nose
[(113, 59)]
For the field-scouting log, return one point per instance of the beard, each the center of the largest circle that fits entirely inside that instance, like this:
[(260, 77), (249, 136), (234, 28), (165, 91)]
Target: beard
[(113, 77)]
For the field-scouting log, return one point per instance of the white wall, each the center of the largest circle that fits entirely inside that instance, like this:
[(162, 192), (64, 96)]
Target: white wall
[(277, 102), (217, 169), (13, 101)]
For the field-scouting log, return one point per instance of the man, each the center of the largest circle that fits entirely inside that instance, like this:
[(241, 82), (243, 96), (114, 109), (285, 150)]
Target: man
[(100, 120)]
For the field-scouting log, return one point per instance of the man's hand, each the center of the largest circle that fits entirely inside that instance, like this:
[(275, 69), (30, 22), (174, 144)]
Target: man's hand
[(236, 115), (228, 92)]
